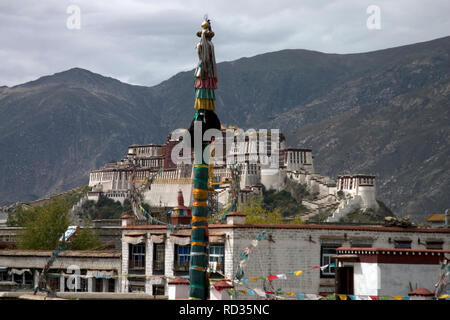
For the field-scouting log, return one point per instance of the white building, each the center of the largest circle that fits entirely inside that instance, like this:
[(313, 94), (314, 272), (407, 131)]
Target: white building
[(264, 160), (153, 255), (387, 271), (95, 271), (359, 186)]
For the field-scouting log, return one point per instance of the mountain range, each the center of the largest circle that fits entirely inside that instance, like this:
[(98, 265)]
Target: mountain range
[(384, 112)]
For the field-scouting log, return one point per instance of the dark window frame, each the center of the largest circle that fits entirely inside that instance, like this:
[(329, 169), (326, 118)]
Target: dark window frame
[(325, 258), (181, 267), (158, 266), (434, 245), (402, 244), (136, 256), (158, 290), (213, 256)]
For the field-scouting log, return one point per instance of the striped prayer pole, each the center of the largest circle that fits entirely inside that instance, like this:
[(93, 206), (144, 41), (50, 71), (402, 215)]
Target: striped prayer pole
[(199, 239), (205, 118)]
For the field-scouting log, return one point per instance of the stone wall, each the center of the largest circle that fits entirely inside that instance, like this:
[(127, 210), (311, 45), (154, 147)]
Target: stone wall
[(289, 248)]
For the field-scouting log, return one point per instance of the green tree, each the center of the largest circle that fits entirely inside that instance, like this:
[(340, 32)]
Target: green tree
[(297, 220), (284, 201), (17, 217), (104, 208), (44, 226), (86, 239), (255, 213)]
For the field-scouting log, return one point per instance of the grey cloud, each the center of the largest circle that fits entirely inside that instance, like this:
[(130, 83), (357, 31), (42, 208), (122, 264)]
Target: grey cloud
[(146, 42)]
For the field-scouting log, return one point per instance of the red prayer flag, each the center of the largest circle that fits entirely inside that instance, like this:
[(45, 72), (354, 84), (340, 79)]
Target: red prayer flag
[(374, 298), (272, 277), (316, 267)]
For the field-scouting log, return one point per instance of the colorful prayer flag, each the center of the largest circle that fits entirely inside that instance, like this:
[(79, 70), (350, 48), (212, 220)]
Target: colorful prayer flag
[(260, 292), (323, 267), (300, 296)]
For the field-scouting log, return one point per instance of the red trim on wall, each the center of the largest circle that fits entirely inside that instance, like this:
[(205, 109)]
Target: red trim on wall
[(398, 256), (309, 227)]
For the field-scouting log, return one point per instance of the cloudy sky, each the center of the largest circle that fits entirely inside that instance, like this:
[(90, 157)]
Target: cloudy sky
[(147, 41)]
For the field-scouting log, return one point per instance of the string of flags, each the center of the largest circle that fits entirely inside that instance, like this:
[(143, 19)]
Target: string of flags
[(244, 259), (283, 276), (246, 252), (137, 201), (322, 296), (278, 294), (311, 296)]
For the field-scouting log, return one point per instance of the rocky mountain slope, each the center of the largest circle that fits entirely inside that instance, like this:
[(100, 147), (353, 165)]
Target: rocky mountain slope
[(382, 112)]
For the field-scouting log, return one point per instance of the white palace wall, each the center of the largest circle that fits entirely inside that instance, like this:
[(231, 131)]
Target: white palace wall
[(164, 193)]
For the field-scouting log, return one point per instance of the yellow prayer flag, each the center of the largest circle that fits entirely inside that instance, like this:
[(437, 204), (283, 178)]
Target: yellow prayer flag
[(398, 297), (299, 272), (253, 279), (243, 291), (290, 293), (444, 296), (342, 296)]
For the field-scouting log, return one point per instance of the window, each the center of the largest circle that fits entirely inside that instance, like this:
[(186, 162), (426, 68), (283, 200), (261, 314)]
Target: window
[(28, 278), (216, 258), (98, 285), (111, 285), (158, 257), (158, 290), (83, 285), (438, 244), (325, 259), (182, 257), (4, 274), (137, 256), (402, 244), (136, 286), (361, 244), (75, 284)]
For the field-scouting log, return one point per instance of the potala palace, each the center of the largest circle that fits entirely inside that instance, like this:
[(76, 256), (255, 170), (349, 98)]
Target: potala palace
[(251, 154)]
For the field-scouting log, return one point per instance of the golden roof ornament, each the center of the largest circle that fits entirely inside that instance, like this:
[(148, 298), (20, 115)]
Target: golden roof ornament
[(206, 29), (205, 25)]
